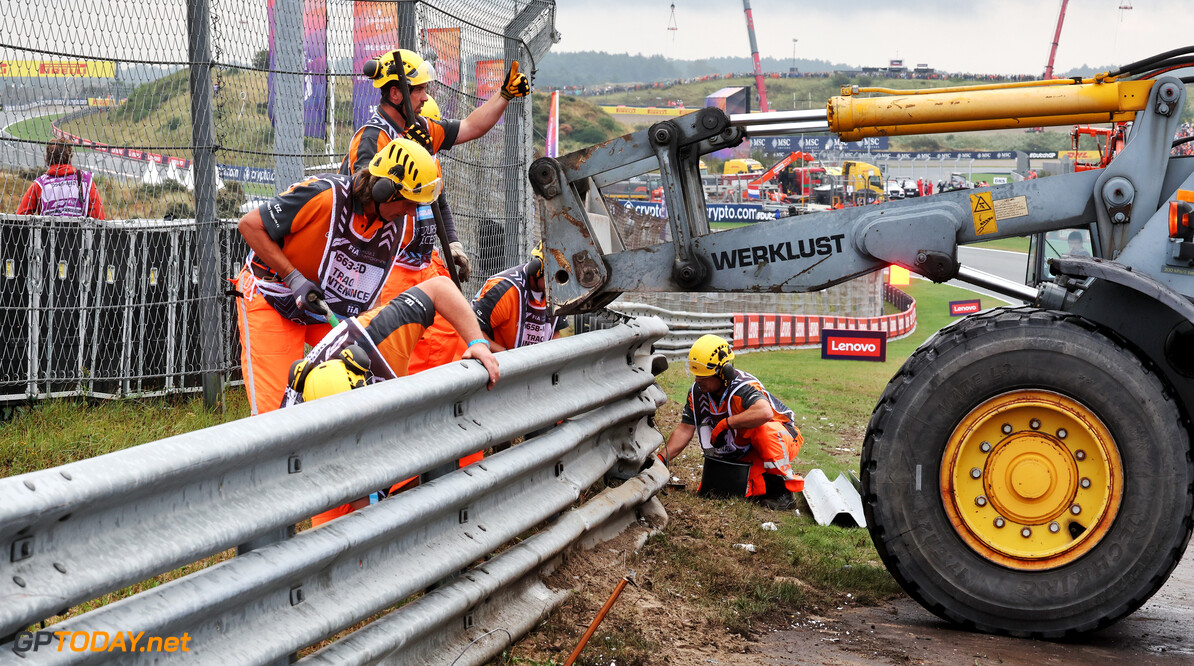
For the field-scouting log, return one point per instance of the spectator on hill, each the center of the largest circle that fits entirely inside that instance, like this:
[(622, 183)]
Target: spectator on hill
[(63, 190)]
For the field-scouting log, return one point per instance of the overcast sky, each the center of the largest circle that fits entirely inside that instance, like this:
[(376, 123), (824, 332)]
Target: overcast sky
[(994, 36)]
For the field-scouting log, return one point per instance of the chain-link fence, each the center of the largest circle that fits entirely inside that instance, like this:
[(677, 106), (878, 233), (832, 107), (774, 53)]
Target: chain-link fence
[(182, 115)]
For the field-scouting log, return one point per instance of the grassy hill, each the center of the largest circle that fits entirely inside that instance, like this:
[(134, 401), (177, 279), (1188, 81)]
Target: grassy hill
[(582, 123), (157, 115)]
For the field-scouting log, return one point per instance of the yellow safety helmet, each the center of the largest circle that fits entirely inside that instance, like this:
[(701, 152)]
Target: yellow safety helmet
[(430, 110), (535, 266), (406, 170), (709, 356), (387, 67), (347, 371)]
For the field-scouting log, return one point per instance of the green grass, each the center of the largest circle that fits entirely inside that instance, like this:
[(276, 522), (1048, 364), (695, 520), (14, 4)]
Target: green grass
[(833, 400), (56, 432), (719, 226), (1017, 244), (35, 129)]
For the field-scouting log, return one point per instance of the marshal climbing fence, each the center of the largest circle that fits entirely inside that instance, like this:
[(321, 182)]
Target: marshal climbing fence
[(197, 111)]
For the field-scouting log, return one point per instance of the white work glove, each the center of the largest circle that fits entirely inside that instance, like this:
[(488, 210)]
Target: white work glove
[(463, 269)]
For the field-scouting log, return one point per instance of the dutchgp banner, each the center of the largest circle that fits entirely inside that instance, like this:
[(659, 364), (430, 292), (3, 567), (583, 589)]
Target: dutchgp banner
[(489, 77), (96, 69), (315, 55), (374, 29), (315, 50), (552, 148), (854, 345), (444, 45)]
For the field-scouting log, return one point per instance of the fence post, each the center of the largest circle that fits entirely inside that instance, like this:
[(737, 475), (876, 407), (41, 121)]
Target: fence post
[(203, 140), (407, 26), (515, 146), (288, 97)]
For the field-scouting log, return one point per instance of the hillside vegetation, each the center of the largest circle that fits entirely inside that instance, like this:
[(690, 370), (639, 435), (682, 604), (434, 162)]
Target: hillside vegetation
[(587, 68), (157, 116), (582, 123)]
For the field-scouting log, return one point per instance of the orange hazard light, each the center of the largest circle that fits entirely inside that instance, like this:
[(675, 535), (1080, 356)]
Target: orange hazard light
[(898, 276), (1179, 214)]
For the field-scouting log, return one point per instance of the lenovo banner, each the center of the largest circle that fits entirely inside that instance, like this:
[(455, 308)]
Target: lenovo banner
[(854, 345), (963, 308)]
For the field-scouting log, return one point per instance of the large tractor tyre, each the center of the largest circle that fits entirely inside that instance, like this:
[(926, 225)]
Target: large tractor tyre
[(1025, 473)]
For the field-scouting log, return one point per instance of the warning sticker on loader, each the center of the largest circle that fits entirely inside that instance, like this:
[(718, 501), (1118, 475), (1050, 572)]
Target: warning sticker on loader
[(983, 212), (1006, 209)]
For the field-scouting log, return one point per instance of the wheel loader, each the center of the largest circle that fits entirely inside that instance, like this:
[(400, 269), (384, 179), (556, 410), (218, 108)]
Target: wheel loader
[(1028, 470)]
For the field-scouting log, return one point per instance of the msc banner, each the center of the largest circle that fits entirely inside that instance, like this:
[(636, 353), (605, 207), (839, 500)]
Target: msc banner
[(943, 155), (96, 69), (854, 345), (716, 212), (963, 308), (374, 27), (782, 145)]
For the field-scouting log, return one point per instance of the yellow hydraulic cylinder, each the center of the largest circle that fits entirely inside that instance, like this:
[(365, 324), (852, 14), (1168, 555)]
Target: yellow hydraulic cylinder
[(986, 108)]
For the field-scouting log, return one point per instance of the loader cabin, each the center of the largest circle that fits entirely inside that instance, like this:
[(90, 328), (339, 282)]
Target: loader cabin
[(1053, 244)]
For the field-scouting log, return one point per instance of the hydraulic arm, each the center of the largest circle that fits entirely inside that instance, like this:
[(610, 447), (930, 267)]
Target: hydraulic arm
[(589, 267)]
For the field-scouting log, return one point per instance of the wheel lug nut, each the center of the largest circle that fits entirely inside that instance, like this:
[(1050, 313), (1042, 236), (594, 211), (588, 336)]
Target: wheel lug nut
[(1061, 433), (1075, 509), (980, 500), (1007, 428), (1025, 532), (1085, 483), (999, 522), (985, 447), (976, 473), (1035, 424), (1080, 454), (1054, 527)]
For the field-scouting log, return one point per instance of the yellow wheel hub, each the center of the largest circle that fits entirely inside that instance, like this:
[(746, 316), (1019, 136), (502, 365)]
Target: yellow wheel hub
[(1031, 479)]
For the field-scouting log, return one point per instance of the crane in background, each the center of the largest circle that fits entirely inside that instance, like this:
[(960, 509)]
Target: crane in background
[(754, 53), (1056, 38)]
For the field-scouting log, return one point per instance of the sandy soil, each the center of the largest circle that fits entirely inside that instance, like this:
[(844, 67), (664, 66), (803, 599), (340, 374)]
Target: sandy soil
[(899, 632)]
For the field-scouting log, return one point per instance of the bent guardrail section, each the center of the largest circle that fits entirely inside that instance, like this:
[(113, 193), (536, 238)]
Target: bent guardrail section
[(762, 331), (751, 331), (81, 530), (684, 328)]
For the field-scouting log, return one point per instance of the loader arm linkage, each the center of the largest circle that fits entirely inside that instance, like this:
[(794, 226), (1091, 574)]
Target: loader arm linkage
[(587, 266)]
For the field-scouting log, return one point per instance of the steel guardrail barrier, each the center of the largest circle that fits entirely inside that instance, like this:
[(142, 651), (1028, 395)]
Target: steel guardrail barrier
[(84, 529), (684, 328)]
